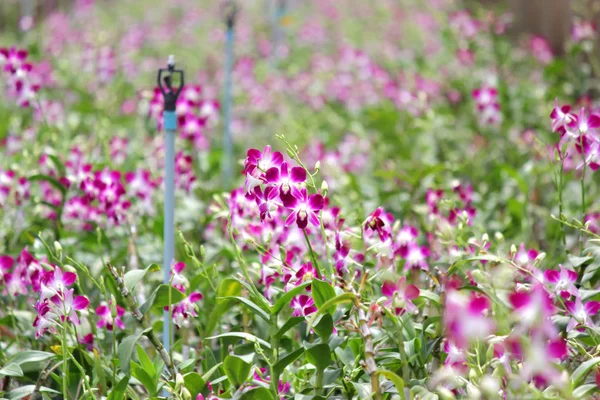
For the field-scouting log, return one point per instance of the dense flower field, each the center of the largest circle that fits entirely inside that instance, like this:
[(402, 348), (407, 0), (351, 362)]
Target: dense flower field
[(413, 212)]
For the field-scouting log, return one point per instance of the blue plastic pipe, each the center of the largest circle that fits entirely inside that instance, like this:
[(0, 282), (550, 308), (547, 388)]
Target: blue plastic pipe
[(170, 125), (227, 104)]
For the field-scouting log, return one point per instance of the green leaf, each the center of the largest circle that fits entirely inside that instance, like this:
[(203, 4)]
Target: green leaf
[(160, 298), (145, 361), (319, 355), (250, 304), (259, 393), (52, 181), (27, 390), (396, 380), (287, 360), (242, 335), (324, 326), (487, 257), (290, 323), (194, 383), (125, 350), (11, 369), (31, 360), (146, 380), (427, 294), (211, 371), (236, 369), (288, 296), (322, 292), (584, 391), (583, 370), (118, 392), (132, 278), (229, 288), (342, 298)]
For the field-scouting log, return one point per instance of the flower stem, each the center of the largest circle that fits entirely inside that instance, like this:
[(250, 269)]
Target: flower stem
[(65, 374), (319, 381), (313, 256)]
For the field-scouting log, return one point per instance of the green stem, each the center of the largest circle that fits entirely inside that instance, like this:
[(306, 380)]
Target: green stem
[(65, 375), (275, 357), (560, 203), (583, 208), (319, 381), (313, 256)]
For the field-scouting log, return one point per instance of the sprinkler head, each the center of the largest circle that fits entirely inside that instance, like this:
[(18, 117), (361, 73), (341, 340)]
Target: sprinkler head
[(171, 94)]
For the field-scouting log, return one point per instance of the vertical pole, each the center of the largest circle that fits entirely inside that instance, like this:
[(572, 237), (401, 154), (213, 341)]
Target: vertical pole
[(170, 124), (227, 103), (279, 13)]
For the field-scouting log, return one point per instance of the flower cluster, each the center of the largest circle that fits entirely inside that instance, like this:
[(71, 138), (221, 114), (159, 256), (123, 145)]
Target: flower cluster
[(21, 81), (196, 114), (186, 309), (488, 105), (19, 188), (57, 304)]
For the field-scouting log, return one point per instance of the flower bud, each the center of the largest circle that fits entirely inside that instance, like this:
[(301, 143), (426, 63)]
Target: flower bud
[(202, 253), (58, 248), (178, 382), (499, 236), (539, 257), (485, 238), (513, 249), (317, 166), (324, 188)]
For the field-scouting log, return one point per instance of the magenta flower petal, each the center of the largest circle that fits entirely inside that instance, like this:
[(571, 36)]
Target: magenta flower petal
[(69, 278), (592, 307), (298, 175), (80, 302), (291, 218), (272, 175), (552, 276), (558, 348), (316, 202), (195, 296), (594, 121), (411, 292), (388, 288)]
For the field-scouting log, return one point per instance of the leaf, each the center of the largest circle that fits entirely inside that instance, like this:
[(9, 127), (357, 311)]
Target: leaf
[(31, 360), (250, 304), (160, 298), (342, 298), (52, 181), (322, 292), (242, 335), (396, 380), (287, 360), (290, 323), (229, 288), (259, 393), (27, 390), (125, 350), (211, 371), (581, 372), (145, 361), (132, 278), (460, 263), (429, 295), (584, 391), (287, 297), (319, 355), (194, 383), (324, 326), (11, 369), (118, 392), (146, 380), (236, 369)]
